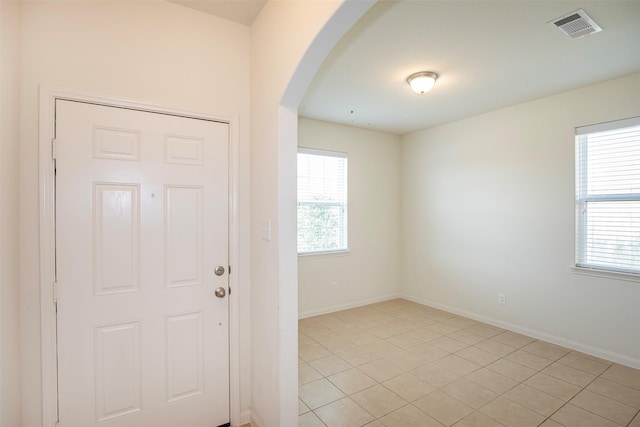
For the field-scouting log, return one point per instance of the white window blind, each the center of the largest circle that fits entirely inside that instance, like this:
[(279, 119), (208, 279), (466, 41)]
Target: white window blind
[(608, 196), (322, 201)]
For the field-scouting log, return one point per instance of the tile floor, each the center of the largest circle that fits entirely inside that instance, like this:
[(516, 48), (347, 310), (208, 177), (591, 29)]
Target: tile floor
[(398, 363)]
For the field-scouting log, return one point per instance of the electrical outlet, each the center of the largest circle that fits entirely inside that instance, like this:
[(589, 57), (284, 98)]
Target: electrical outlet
[(502, 298), (334, 286)]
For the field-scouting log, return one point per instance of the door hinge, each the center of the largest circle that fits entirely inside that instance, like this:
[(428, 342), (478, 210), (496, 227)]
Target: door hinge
[(53, 149), (55, 292)]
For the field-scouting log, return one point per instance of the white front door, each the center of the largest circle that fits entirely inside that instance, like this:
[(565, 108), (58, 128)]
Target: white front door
[(141, 227)]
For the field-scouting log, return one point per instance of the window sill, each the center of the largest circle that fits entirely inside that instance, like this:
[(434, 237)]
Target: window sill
[(328, 254), (615, 275)]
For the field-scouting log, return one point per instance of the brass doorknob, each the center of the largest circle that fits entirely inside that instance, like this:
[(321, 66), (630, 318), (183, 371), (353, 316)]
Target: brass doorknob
[(220, 292)]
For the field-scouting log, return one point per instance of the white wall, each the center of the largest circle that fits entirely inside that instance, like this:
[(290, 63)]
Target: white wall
[(10, 393), (370, 271), (289, 40), (156, 52), (488, 207)]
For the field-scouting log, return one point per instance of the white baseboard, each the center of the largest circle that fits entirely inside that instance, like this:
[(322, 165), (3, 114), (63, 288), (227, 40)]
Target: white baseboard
[(554, 339), (347, 306), (255, 421), (245, 417)]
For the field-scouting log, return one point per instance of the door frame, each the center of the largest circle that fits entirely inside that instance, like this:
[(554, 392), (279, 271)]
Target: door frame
[(46, 202)]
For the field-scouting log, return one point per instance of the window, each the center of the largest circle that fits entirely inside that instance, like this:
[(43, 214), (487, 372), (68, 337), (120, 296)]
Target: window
[(322, 201), (608, 196)]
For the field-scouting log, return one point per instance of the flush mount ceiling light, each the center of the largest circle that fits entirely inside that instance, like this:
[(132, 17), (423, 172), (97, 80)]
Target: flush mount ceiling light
[(422, 81)]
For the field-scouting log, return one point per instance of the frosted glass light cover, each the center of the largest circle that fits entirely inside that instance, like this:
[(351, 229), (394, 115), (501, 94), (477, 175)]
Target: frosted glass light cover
[(422, 82)]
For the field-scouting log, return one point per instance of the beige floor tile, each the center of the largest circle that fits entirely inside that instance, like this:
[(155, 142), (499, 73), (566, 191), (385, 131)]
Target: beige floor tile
[(312, 352), (381, 370), (405, 341), (466, 337), (461, 322), (513, 339), (511, 413), (352, 381), (361, 338), (379, 400), (358, 356), (408, 386), (336, 344), (569, 374), (572, 416), (495, 347), (394, 352), (309, 420), (529, 360), (439, 315), (307, 374), (551, 423), (308, 323), (409, 416), (391, 329), (435, 375), (484, 330), (478, 419), (424, 335), (534, 399), (429, 352), (477, 356), (623, 375), (319, 332), (441, 328), (422, 322), (469, 392), (546, 350), (553, 386), (576, 361), (302, 408), (448, 344), (343, 413), (491, 380), (457, 364), (319, 393), (406, 360), (383, 348), (511, 369), (444, 408), (304, 340), (621, 393), (329, 365), (605, 407)]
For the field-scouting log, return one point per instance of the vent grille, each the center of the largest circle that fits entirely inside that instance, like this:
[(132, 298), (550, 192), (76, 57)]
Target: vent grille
[(576, 25)]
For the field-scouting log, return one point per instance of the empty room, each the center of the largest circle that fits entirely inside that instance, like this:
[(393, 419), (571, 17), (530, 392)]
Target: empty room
[(468, 256), (329, 213)]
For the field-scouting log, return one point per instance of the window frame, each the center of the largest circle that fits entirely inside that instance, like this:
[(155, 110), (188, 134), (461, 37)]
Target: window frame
[(344, 216), (582, 198)]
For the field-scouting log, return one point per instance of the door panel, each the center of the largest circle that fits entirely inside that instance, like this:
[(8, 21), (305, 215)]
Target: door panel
[(141, 224)]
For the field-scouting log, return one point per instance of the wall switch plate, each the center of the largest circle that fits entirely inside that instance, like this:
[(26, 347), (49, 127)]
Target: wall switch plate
[(265, 229)]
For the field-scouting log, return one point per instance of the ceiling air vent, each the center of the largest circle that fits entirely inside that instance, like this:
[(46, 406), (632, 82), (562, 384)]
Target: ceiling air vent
[(576, 24)]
